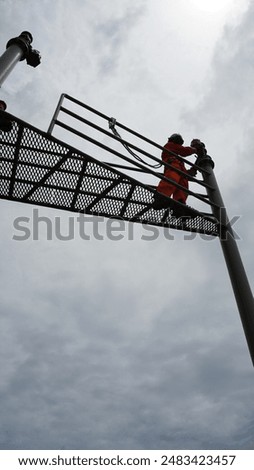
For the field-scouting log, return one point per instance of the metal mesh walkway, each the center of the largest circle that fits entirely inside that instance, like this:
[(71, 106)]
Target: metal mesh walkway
[(37, 168)]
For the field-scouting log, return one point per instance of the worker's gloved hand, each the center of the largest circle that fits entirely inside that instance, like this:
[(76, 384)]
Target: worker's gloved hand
[(192, 171)]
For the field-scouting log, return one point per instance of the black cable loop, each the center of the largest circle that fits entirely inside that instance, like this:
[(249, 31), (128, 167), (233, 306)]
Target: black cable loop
[(112, 123)]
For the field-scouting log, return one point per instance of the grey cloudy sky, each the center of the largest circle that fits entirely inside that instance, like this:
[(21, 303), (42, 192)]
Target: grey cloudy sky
[(131, 344)]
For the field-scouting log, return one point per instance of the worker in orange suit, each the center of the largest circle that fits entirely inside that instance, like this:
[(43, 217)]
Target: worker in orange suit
[(175, 145)]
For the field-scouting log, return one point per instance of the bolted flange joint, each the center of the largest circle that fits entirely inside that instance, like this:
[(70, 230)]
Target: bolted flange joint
[(24, 41), (205, 160)]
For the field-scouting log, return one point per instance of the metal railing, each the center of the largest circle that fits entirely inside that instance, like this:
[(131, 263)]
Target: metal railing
[(133, 164)]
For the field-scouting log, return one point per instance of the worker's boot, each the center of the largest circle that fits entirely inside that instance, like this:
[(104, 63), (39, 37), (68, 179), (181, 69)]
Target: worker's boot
[(160, 202), (179, 210)]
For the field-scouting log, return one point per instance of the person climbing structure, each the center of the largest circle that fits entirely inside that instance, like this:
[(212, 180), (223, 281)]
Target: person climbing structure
[(165, 188)]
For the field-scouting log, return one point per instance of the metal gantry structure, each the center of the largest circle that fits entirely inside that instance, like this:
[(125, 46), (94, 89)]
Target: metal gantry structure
[(38, 168), (107, 175)]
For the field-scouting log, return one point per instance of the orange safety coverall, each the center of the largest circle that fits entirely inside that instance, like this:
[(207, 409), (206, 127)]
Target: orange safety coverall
[(168, 188)]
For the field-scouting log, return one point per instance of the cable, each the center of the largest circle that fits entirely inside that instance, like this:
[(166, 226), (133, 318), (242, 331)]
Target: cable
[(112, 123)]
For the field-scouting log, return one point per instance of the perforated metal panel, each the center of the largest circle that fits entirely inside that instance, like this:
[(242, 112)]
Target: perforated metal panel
[(38, 169)]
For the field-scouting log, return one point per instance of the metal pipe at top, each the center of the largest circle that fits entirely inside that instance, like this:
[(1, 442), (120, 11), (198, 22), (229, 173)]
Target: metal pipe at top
[(18, 49)]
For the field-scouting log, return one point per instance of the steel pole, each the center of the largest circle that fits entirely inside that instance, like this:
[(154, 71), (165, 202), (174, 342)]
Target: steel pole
[(18, 49), (8, 60), (238, 277)]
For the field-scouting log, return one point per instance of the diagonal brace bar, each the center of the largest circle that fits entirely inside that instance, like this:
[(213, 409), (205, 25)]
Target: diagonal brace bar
[(47, 175), (104, 193)]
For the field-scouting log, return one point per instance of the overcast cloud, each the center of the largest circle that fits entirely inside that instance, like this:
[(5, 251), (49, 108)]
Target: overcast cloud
[(131, 344)]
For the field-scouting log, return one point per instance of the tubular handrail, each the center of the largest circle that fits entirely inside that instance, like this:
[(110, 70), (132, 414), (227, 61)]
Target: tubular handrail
[(139, 165), (134, 147), (108, 118)]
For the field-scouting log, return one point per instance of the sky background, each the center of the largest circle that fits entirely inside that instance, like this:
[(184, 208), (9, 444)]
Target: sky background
[(131, 344)]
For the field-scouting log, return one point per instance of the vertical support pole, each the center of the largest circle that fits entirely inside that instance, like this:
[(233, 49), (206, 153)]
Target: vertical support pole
[(54, 118), (238, 277), (18, 49)]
